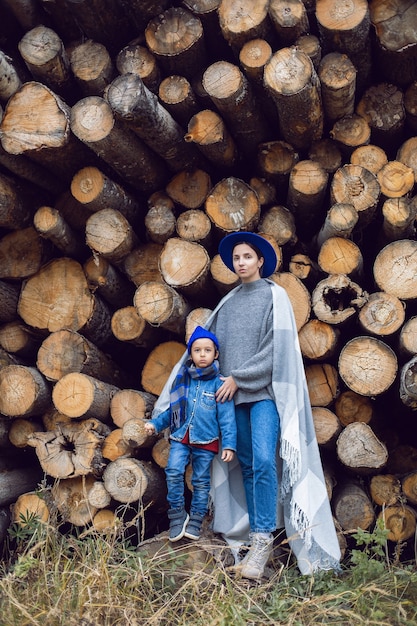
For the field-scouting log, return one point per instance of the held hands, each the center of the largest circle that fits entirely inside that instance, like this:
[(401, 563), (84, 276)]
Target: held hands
[(227, 455), (227, 390)]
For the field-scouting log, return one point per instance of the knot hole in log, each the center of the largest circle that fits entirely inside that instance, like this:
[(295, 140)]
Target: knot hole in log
[(339, 299)]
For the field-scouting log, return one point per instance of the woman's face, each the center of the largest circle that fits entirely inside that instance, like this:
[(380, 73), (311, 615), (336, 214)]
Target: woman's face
[(246, 263)]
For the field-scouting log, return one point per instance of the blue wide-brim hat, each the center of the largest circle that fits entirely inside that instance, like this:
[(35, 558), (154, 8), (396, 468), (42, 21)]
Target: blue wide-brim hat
[(268, 253)]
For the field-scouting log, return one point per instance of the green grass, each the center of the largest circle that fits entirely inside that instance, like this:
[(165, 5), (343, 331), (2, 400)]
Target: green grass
[(49, 578)]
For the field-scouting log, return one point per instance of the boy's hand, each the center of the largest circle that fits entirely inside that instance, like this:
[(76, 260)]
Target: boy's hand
[(227, 455), (150, 428)]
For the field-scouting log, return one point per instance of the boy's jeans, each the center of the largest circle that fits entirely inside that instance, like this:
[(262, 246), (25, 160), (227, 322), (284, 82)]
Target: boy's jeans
[(179, 456), (258, 429)]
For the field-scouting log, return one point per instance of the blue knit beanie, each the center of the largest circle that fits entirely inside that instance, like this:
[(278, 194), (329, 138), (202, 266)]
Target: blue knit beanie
[(202, 333)]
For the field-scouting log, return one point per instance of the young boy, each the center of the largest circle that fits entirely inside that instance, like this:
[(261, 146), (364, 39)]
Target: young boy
[(196, 423)]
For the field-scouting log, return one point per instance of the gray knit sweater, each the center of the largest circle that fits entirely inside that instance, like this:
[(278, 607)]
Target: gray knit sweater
[(244, 327)]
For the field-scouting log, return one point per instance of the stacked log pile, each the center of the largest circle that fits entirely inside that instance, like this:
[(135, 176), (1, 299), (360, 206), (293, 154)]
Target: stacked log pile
[(134, 135)]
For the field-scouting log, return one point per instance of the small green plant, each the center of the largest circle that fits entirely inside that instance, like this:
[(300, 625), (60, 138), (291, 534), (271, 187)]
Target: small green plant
[(371, 559)]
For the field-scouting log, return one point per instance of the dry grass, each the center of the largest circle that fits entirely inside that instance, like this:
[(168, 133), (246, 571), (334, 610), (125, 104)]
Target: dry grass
[(49, 579)]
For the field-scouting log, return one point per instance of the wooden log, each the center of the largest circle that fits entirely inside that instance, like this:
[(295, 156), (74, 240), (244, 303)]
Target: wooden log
[(253, 57), (80, 395), (46, 136), (367, 365), (51, 225), (264, 189), (400, 521), (235, 100), (318, 340), (63, 20), (52, 417), (24, 391), (105, 22), (304, 268), (195, 226), (371, 157), (354, 184), (178, 97), (242, 21), (326, 426), (159, 364), (352, 407), (294, 85), (129, 403), (127, 325), (71, 499), (160, 220), (92, 67), (278, 222), (223, 279), (306, 193), (44, 53), (276, 160), (98, 496), (196, 317), (337, 298), (396, 55), (66, 351), (322, 383), (22, 253), (21, 430), (408, 379), (395, 179), (26, 170), (18, 338), (16, 211), (298, 294), (132, 480), (208, 131), (233, 205), (382, 106), (406, 154), (360, 450), (399, 215), (407, 341), (110, 283), (344, 28), (189, 188), (394, 269), (142, 264), (30, 507), (409, 487), (11, 77), (350, 132), (106, 521), (159, 304), (185, 266), (339, 255), (114, 446), (326, 152), (410, 98), (160, 452), (176, 38), (353, 508), (340, 221), (132, 102), (382, 315), (8, 359), (75, 213), (14, 482), (93, 122), (137, 59), (73, 449), (337, 76), (290, 20), (385, 489), (110, 234)]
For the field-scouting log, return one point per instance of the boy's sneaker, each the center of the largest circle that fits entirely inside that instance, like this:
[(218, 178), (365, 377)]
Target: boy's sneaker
[(178, 519), (193, 528)]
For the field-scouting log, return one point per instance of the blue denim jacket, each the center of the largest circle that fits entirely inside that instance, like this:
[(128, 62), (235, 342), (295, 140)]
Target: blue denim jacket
[(206, 418)]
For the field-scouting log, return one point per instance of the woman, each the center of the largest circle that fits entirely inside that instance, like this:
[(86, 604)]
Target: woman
[(278, 480)]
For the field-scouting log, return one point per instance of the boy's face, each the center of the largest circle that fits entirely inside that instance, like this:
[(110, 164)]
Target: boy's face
[(203, 352)]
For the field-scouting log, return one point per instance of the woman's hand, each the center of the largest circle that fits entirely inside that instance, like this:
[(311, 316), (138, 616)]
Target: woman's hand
[(227, 390), (227, 455)]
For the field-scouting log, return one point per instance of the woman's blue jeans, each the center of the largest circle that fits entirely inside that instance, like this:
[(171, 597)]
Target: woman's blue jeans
[(258, 429), (180, 454)]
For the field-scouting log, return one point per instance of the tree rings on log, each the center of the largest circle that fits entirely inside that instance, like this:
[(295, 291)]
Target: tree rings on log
[(322, 383), (233, 205), (382, 315), (159, 364), (367, 365), (400, 521), (337, 298), (71, 499), (359, 449), (298, 294), (161, 305), (24, 391), (395, 269), (132, 480), (352, 507)]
